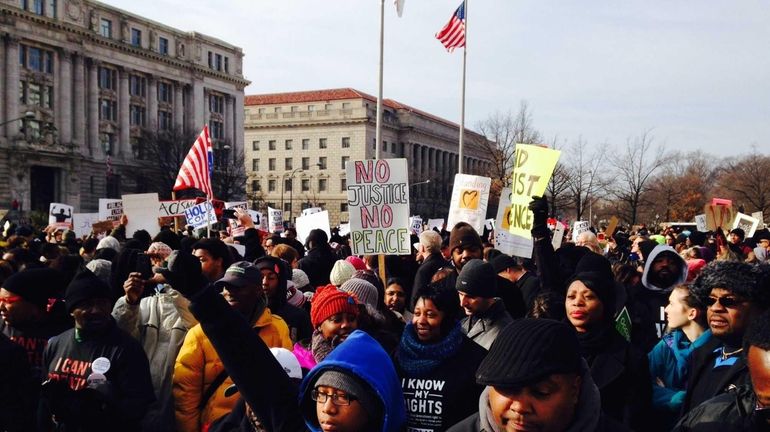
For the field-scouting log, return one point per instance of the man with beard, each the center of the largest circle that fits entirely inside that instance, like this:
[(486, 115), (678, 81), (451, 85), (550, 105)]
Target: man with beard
[(200, 379), (464, 245), (98, 375), (663, 270), (736, 294)]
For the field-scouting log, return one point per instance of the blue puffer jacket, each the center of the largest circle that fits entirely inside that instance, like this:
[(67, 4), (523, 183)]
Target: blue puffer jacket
[(669, 362), (362, 356)]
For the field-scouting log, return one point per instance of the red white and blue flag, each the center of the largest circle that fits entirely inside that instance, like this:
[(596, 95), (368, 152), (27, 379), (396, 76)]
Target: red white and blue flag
[(453, 34), (195, 172)]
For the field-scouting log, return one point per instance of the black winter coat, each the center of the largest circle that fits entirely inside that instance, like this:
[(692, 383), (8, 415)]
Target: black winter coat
[(317, 264), (472, 424), (529, 287), (728, 412), (701, 363), (511, 296), (18, 388)]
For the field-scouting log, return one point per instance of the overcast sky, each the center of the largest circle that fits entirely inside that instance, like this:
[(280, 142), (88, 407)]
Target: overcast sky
[(694, 72)]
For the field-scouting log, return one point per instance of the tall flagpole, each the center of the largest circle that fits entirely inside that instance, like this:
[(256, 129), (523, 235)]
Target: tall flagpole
[(211, 186), (462, 95), (378, 127)]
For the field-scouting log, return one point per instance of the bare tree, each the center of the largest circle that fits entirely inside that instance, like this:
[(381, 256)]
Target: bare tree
[(163, 151), (229, 176), (681, 189), (584, 176), (746, 180), (558, 187), (634, 166)]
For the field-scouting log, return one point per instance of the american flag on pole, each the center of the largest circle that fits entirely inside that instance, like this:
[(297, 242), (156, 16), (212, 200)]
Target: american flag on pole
[(453, 34), (195, 172)]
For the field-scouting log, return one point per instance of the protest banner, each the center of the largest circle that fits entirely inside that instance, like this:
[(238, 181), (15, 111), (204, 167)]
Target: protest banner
[(274, 220), (82, 223), (470, 196), (436, 224), (172, 208), (142, 213), (378, 205), (344, 229), (747, 223), (700, 223), (110, 209), (60, 215), (218, 205), (580, 227), (415, 224), (305, 224), (234, 225), (611, 227), (200, 215), (311, 210), (506, 242), (558, 235), (758, 215), (533, 167), (718, 216)]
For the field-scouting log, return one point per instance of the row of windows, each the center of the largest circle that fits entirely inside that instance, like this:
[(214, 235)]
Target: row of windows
[(137, 85), (310, 108), (393, 147), (289, 144), (288, 163), (31, 93), (105, 29), (36, 59), (256, 185), (218, 62), (40, 7)]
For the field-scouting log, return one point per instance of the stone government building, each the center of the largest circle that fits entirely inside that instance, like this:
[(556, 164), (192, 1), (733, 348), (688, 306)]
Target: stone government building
[(80, 80), (297, 144)]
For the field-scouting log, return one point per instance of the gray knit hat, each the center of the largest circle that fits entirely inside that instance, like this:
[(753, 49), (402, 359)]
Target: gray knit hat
[(300, 279), (363, 290), (351, 385)]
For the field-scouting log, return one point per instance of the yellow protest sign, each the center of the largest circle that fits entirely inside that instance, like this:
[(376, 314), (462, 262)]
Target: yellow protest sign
[(533, 167)]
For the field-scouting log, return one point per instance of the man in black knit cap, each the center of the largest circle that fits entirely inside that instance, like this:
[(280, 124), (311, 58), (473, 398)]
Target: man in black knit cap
[(486, 314), (536, 380)]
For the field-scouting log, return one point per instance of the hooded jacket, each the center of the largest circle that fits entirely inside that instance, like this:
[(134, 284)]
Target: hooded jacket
[(362, 356)]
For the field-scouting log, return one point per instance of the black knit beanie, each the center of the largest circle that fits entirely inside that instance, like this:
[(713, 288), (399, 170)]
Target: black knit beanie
[(477, 279), (85, 286), (36, 285), (529, 350), (595, 272)]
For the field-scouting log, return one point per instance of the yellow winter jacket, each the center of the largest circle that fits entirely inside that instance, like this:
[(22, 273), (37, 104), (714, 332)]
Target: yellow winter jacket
[(198, 364)]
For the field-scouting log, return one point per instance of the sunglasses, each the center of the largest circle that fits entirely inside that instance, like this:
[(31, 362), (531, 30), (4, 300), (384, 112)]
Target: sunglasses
[(728, 302)]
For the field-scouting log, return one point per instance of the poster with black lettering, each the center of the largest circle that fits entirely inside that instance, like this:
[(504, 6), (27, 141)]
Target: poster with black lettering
[(470, 196), (424, 404)]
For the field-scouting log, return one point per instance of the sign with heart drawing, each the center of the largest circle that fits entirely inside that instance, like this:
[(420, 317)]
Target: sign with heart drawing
[(470, 196)]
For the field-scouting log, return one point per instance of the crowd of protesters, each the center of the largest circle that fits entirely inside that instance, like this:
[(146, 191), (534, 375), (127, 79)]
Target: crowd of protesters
[(641, 330)]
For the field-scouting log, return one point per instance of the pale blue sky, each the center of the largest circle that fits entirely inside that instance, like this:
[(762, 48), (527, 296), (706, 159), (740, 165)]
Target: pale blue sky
[(695, 72)]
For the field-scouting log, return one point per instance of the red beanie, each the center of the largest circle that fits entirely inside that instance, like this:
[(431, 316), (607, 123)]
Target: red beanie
[(328, 301)]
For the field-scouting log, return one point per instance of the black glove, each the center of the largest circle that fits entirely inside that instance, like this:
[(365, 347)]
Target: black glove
[(539, 208), (184, 273)]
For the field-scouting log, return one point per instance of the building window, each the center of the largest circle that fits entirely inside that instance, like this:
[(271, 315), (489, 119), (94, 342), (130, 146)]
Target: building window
[(255, 186), (217, 103), (287, 207), (327, 107), (255, 164), (305, 144), (36, 59), (31, 93), (343, 207), (345, 142), (322, 143), (343, 185), (255, 145), (163, 45), (164, 120), (271, 164), (277, 110), (311, 108), (105, 29), (164, 92), (344, 161), (211, 60), (322, 162), (305, 163), (108, 79), (217, 130), (287, 184), (136, 115), (321, 185), (288, 144), (37, 7), (384, 146), (271, 145), (294, 109), (137, 85), (305, 185), (271, 185), (108, 143), (218, 62), (108, 110), (136, 37), (227, 65), (288, 164)]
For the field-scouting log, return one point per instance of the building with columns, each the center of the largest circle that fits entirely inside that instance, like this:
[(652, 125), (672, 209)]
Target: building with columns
[(297, 145), (80, 81)]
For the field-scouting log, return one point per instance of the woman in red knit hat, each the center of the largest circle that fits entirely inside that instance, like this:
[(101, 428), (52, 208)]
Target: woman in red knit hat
[(334, 315)]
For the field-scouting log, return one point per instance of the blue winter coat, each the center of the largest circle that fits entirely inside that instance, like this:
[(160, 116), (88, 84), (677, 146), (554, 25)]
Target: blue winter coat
[(362, 356)]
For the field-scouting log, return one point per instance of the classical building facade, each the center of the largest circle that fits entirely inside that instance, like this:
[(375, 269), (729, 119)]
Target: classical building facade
[(297, 145), (80, 81)]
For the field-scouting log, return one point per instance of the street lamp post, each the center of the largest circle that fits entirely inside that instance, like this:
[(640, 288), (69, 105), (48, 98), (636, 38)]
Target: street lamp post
[(291, 191), (417, 184), (29, 115)]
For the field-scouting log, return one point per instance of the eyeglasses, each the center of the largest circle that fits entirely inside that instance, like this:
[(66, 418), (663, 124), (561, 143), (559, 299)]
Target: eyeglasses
[(10, 300), (337, 399), (728, 302)]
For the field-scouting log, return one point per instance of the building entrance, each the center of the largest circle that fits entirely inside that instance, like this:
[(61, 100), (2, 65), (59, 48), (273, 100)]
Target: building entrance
[(43, 182)]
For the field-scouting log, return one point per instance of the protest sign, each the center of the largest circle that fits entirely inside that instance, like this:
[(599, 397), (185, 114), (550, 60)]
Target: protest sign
[(200, 215), (274, 220), (60, 215), (533, 167), (344, 229), (415, 224), (747, 223), (236, 229), (578, 228), (470, 196), (102, 227), (700, 223), (489, 224), (82, 223), (721, 201), (311, 210), (436, 224), (506, 242), (758, 215), (623, 323), (218, 205), (142, 213), (110, 209), (305, 224), (174, 207), (610, 230), (378, 205), (558, 235), (718, 216)]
